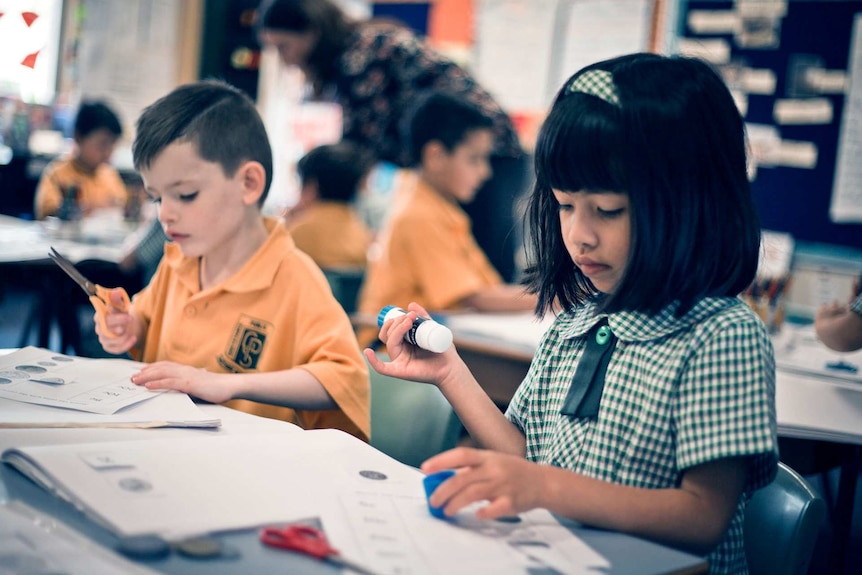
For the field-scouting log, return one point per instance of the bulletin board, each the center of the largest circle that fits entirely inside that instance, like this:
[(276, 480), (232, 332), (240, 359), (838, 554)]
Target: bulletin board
[(794, 194)]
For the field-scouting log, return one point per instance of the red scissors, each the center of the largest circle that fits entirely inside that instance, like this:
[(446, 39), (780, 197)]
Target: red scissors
[(310, 541), (100, 297)]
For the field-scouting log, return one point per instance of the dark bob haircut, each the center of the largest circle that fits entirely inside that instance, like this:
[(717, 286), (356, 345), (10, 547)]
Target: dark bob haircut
[(94, 115), (444, 118), (338, 170), (322, 17), (220, 120), (676, 145)]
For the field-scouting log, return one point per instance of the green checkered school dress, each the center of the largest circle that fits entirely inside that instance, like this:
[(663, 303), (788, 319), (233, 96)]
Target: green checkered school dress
[(856, 305), (679, 392)]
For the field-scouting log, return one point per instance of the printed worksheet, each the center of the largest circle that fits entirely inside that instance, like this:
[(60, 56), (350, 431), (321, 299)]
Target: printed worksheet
[(397, 535), (45, 377)]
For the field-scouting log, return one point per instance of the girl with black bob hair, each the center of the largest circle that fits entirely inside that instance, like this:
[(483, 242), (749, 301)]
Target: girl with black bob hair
[(675, 144), (649, 406)]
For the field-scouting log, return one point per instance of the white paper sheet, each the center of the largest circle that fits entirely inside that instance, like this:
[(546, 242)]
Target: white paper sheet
[(41, 376), (600, 29), (514, 51), (846, 203), (172, 409), (185, 487), (398, 535)]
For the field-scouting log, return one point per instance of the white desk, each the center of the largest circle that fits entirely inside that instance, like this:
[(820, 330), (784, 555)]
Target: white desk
[(627, 555)]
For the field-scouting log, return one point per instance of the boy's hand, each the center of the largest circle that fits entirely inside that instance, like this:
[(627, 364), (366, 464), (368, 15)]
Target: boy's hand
[(510, 483), (124, 331), (194, 381)]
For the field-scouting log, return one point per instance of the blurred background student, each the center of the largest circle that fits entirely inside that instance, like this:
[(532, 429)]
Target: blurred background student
[(324, 223), (839, 325), (428, 254), (375, 70), (75, 186)]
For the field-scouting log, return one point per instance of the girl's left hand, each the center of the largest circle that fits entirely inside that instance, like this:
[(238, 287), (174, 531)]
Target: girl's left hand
[(510, 483), (191, 380)]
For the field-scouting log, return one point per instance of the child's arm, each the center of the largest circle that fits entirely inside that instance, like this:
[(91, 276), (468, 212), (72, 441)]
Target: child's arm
[(479, 415), (295, 388), (839, 327), (501, 298), (693, 516)]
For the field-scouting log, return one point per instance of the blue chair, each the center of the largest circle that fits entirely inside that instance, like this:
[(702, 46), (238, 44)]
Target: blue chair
[(782, 522), (410, 421)]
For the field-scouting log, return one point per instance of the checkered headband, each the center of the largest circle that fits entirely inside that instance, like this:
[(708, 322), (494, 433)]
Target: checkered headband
[(598, 83)]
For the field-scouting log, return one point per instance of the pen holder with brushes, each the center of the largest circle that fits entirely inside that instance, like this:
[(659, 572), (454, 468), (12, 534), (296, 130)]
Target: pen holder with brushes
[(766, 298)]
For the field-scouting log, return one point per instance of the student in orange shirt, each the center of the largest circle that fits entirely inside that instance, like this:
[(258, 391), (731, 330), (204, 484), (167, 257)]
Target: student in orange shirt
[(86, 175), (428, 253), (235, 313), (324, 223)]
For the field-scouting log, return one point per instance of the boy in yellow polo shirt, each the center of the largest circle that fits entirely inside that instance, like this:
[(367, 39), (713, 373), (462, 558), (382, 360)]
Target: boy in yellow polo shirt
[(87, 173), (235, 313), (324, 223), (428, 253)]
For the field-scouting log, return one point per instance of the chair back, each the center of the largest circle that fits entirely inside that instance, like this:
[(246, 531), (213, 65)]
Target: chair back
[(410, 421), (345, 284), (782, 522)]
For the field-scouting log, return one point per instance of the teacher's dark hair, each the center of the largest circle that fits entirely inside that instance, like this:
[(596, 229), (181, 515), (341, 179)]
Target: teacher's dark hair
[(322, 17)]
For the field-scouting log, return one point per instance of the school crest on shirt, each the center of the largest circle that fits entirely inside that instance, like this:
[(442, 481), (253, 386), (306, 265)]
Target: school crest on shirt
[(245, 345)]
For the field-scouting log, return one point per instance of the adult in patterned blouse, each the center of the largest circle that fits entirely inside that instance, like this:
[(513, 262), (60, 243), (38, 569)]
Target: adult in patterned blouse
[(376, 71)]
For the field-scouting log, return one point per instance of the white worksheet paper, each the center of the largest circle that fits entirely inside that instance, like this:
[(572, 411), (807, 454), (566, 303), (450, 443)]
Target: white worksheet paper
[(172, 409), (185, 487), (45, 377)]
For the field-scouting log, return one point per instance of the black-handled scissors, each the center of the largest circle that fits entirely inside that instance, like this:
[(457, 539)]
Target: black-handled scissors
[(100, 296)]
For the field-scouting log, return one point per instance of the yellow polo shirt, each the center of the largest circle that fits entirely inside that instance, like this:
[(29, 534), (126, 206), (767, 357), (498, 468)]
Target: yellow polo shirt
[(332, 234), (102, 189), (276, 313), (428, 255)]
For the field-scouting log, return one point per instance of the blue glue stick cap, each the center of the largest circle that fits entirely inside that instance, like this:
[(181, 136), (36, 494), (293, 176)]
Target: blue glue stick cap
[(431, 482), (381, 317)]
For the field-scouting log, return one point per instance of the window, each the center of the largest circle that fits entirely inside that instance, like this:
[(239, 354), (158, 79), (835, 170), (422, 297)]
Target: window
[(29, 49)]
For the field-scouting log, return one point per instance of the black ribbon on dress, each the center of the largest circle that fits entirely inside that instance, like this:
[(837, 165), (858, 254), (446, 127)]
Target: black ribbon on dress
[(585, 393)]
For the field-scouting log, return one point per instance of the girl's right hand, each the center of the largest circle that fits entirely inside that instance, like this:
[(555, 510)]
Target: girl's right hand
[(408, 361), (124, 330)]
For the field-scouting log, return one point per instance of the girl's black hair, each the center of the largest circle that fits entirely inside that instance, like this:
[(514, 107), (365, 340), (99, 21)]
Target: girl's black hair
[(676, 145), (322, 17)]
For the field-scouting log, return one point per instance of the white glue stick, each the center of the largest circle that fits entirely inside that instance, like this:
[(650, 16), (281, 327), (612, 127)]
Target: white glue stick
[(425, 333)]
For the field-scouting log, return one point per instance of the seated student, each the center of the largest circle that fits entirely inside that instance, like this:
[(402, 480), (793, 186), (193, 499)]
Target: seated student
[(649, 407), (839, 325), (85, 179), (428, 253), (324, 224), (235, 313)]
